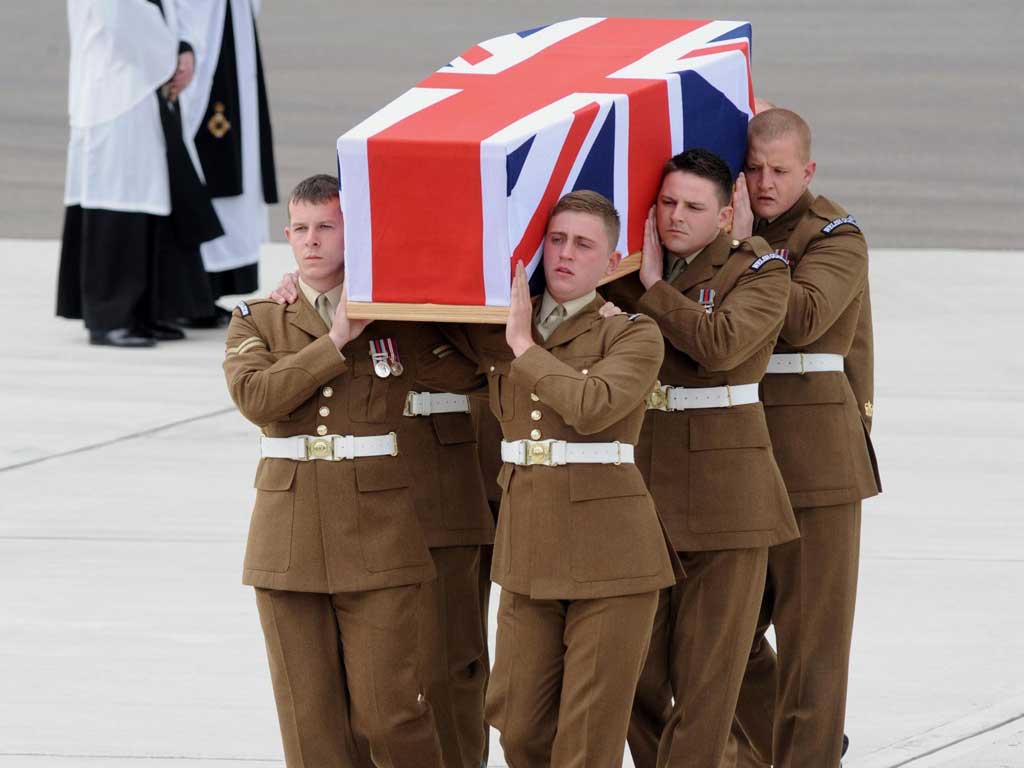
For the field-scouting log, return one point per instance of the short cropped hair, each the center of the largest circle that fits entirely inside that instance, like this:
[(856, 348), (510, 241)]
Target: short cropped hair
[(594, 203), (321, 188), (705, 164), (778, 123)]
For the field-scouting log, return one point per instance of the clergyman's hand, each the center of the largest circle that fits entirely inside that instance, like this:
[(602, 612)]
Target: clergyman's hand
[(519, 328), (182, 75)]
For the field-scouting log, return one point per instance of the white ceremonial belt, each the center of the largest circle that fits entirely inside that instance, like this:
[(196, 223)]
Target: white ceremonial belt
[(799, 362), (555, 453), (328, 447), (426, 403), (665, 398)]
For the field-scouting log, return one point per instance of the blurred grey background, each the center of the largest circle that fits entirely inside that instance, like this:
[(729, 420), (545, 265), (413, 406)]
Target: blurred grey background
[(916, 106)]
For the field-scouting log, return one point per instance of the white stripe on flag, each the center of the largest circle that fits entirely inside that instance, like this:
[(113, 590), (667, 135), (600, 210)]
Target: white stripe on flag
[(355, 205)]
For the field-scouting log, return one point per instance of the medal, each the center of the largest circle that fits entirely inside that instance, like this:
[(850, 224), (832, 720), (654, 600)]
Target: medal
[(707, 298), (380, 358), (396, 365)]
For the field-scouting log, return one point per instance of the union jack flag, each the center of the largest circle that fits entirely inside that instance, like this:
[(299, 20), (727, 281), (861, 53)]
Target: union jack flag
[(451, 183)]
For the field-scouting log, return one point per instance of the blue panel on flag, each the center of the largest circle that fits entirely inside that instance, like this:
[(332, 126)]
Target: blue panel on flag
[(713, 122), (514, 164), (598, 172), (528, 32), (739, 33)]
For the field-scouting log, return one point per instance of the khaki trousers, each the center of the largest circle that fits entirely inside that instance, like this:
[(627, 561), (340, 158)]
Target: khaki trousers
[(564, 676), (346, 679), (453, 648), (792, 707), (698, 652)]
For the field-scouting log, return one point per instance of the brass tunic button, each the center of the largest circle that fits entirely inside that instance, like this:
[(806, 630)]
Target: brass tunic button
[(535, 415), (533, 396), (328, 392), (324, 411), (321, 430), (535, 434), (492, 369), (585, 371), (735, 243)]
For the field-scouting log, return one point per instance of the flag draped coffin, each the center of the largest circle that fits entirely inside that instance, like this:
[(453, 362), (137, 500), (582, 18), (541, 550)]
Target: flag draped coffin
[(451, 183)]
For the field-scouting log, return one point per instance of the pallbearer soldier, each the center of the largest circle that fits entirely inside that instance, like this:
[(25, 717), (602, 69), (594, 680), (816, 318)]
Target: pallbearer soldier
[(580, 552), (437, 436), (339, 559), (818, 400), (705, 454)]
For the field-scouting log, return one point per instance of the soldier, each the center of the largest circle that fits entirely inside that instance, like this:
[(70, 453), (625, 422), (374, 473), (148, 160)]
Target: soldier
[(447, 490), (580, 552), (818, 401), (705, 453), (339, 560)]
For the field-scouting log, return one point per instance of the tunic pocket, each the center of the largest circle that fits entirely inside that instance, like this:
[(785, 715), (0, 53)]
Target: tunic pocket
[(368, 395), (501, 392), (810, 420), (269, 545), (615, 530), (389, 531), (733, 484), (463, 496)]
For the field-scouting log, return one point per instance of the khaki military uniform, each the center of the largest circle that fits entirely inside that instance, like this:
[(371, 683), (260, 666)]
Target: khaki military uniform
[(716, 484), (820, 424), (339, 551), (580, 552)]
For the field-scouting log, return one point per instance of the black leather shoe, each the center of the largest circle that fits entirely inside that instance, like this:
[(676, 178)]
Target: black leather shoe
[(160, 331), (120, 337)]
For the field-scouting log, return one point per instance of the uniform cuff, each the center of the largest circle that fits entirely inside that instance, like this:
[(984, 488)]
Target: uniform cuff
[(321, 360)]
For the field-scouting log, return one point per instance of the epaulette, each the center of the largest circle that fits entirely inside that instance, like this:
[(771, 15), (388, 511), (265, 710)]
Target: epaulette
[(244, 308), (833, 214), (780, 254)]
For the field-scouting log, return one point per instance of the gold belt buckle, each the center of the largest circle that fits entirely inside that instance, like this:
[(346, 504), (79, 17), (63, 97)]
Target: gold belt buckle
[(538, 452), (657, 398), (319, 448)]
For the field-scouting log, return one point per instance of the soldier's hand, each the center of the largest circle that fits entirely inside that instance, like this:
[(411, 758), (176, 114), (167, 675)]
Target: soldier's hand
[(519, 328), (343, 328), (287, 291), (652, 266), (608, 309), (742, 214)]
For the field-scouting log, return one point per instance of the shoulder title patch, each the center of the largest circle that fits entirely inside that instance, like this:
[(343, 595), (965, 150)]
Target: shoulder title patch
[(780, 255), (827, 229), (243, 309)]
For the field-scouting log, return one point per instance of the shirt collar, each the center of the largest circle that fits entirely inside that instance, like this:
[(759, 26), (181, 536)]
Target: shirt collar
[(572, 307), (312, 294)]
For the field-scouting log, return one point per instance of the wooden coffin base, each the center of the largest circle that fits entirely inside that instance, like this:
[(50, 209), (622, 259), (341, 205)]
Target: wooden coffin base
[(457, 313)]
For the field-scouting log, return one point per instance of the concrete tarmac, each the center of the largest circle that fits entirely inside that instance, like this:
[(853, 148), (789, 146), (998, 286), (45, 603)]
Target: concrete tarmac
[(914, 104), (127, 639)]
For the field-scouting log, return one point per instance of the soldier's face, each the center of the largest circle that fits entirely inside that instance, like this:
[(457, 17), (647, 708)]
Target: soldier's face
[(316, 234), (777, 174), (688, 213), (578, 252)]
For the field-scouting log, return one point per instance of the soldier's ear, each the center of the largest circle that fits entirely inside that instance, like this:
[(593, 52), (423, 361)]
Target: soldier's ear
[(809, 170), (724, 216), (613, 262)]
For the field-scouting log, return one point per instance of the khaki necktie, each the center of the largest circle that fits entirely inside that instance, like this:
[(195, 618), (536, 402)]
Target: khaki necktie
[(549, 324), (677, 268), (323, 308)]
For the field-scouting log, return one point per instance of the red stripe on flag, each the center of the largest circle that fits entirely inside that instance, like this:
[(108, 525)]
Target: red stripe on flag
[(476, 54), (650, 146), (535, 230)]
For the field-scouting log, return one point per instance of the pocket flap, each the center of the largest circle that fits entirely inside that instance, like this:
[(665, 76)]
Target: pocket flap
[(275, 474), (735, 429), (809, 389), (380, 473), (604, 481), (452, 428)]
